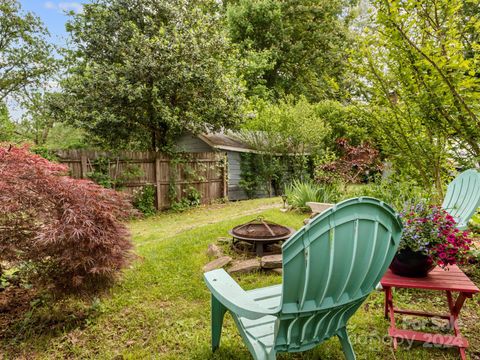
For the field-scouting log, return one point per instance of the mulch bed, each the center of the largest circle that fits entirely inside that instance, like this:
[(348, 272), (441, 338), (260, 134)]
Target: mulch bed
[(14, 303)]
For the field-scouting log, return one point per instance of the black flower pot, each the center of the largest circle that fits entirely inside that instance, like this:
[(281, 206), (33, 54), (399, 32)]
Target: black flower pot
[(411, 264)]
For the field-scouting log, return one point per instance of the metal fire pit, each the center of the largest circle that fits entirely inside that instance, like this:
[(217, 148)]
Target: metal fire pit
[(259, 233)]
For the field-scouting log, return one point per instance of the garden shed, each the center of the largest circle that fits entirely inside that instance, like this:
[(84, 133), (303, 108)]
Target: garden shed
[(222, 142)]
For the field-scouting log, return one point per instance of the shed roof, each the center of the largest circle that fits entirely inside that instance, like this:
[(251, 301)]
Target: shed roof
[(223, 141)]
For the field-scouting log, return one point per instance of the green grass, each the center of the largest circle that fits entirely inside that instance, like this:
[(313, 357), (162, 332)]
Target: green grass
[(160, 308)]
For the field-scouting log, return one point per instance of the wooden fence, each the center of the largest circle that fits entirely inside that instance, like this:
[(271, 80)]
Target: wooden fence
[(206, 172)]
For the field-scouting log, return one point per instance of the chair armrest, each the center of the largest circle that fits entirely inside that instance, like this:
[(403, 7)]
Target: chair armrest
[(232, 296)]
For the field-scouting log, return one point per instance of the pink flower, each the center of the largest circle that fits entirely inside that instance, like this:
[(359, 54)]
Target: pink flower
[(451, 239)]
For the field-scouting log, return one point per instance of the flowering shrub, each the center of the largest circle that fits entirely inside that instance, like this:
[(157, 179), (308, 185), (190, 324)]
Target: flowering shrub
[(431, 230), (70, 230)]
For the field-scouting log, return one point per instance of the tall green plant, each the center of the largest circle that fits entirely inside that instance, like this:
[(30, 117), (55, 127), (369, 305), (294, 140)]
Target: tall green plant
[(144, 200), (300, 192)]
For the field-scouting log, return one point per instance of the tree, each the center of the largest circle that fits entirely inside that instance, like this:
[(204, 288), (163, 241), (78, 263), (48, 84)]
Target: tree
[(68, 231), (25, 54), (287, 127), (37, 120), (7, 127), (420, 62), (284, 135), (143, 71), (292, 47)]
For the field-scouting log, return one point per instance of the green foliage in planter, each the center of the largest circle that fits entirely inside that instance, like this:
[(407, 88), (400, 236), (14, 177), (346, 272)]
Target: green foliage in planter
[(144, 200), (300, 192)]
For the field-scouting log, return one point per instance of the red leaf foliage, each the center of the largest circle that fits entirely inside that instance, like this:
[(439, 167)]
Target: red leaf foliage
[(354, 162), (70, 229)]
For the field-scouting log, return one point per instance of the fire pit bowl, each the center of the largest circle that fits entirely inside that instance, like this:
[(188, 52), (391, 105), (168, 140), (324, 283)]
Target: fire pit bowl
[(259, 233)]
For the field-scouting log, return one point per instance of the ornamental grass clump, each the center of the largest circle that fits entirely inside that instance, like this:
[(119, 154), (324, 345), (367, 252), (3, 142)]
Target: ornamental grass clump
[(68, 231), (430, 230), (300, 192)]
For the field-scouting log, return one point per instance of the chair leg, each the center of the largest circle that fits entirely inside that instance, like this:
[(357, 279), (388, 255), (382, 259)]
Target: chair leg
[(346, 344), (218, 313)]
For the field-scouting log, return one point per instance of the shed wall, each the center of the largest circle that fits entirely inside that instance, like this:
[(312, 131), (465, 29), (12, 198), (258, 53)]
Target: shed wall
[(191, 143), (235, 192)]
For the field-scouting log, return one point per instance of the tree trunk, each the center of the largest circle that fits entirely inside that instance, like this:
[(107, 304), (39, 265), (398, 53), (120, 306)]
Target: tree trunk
[(159, 132)]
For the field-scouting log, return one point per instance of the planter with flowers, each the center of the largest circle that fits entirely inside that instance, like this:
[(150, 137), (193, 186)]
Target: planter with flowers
[(430, 238)]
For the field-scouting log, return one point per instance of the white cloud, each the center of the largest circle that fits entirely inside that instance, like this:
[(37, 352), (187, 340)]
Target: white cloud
[(64, 6), (49, 5)]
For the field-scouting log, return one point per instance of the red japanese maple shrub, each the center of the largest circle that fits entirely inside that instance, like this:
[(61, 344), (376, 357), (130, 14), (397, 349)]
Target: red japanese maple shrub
[(354, 163), (70, 230)]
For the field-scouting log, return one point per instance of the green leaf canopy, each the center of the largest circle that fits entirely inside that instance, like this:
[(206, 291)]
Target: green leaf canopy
[(144, 71)]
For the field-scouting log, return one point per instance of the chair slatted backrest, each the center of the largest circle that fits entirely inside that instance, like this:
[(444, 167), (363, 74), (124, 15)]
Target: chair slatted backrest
[(463, 197), (329, 268)]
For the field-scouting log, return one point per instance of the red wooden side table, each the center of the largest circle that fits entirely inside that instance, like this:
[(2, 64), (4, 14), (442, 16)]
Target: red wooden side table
[(452, 280)]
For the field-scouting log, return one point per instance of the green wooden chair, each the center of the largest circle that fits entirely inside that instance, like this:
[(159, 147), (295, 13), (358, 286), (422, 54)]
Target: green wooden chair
[(463, 197), (329, 268)]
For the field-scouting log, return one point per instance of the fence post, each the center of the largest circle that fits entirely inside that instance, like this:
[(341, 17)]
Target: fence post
[(84, 168), (225, 175), (157, 181)]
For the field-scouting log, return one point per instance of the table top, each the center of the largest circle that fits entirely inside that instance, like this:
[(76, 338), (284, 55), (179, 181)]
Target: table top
[(452, 279)]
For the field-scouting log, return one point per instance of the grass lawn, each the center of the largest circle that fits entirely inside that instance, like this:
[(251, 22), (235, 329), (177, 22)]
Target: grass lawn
[(160, 308)]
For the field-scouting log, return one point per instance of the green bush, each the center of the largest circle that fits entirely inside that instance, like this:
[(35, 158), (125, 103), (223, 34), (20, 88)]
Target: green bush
[(45, 153), (191, 198), (474, 227), (299, 193), (144, 200), (392, 191), (105, 173)]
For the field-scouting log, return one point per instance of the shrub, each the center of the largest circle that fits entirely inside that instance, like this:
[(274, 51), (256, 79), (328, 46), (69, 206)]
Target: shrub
[(106, 173), (355, 164), (395, 192), (299, 193), (191, 198), (70, 230), (474, 224), (144, 200)]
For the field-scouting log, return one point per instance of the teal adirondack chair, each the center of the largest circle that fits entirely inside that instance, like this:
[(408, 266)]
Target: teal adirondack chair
[(329, 268), (463, 197)]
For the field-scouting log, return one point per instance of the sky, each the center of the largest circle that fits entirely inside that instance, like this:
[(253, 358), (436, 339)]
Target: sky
[(53, 15)]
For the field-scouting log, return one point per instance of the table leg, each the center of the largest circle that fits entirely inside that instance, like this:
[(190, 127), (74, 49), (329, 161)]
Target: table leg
[(387, 294), (389, 312), (454, 312)]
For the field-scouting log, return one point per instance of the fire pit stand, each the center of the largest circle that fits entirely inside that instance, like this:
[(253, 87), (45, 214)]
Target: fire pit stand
[(260, 233)]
